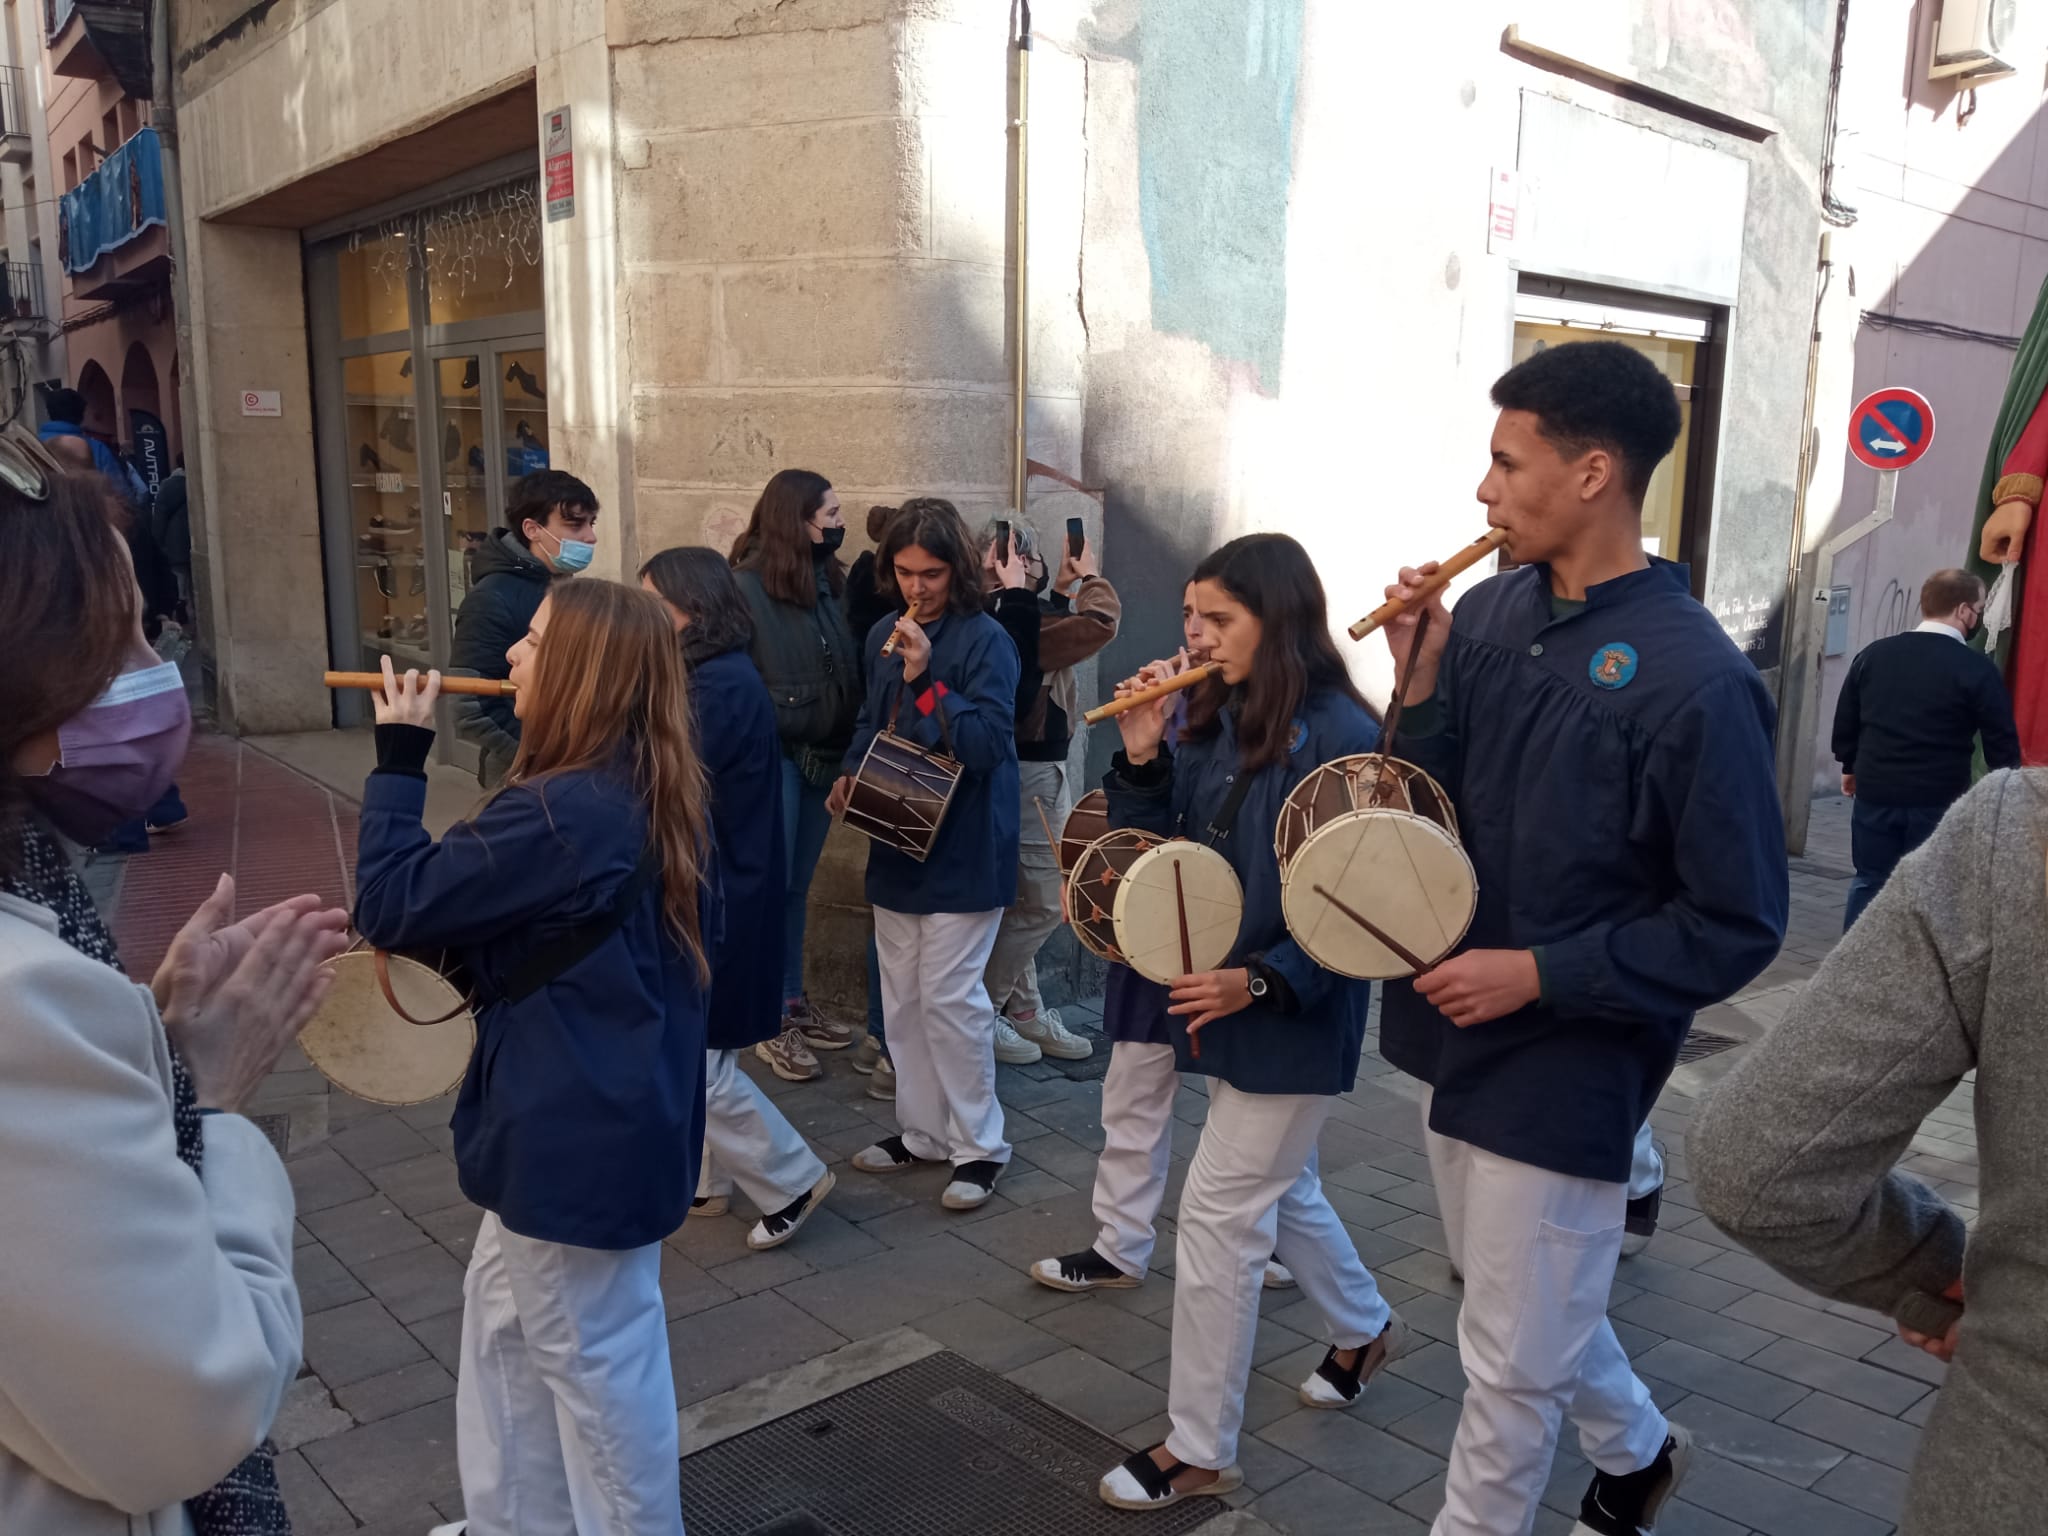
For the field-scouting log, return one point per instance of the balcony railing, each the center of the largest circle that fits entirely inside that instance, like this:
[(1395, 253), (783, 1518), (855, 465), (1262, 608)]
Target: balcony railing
[(113, 205), (13, 102), (21, 292), (55, 14)]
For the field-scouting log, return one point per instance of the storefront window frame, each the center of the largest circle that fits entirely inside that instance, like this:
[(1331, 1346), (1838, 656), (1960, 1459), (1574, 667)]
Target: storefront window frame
[(330, 352)]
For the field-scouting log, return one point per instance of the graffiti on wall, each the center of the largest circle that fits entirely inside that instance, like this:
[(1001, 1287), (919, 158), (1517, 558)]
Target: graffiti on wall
[(1216, 86)]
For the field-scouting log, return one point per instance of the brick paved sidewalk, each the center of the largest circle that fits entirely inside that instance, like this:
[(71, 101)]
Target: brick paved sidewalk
[(1807, 1413)]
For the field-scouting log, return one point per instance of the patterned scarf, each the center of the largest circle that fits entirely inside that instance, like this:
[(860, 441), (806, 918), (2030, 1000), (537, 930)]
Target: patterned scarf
[(248, 1501)]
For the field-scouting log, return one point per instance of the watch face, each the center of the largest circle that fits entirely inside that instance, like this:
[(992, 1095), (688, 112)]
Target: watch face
[(1258, 986)]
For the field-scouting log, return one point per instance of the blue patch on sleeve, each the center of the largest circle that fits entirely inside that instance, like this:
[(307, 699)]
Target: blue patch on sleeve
[(1613, 665)]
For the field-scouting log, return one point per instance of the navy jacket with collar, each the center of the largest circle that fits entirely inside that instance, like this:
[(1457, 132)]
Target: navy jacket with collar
[(1616, 792), (741, 751), (971, 680), (1260, 1049), (581, 1118)]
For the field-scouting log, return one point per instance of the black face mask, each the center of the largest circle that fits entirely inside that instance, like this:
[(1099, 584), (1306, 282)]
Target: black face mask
[(828, 545)]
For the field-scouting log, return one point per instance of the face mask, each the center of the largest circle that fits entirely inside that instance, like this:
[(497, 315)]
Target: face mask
[(828, 545), (116, 759), (571, 555)]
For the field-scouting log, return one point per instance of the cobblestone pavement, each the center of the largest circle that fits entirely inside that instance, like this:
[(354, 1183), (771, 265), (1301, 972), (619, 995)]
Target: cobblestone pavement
[(1807, 1413)]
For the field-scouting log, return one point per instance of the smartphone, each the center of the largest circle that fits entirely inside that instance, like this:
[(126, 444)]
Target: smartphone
[(1002, 544), (1076, 537)]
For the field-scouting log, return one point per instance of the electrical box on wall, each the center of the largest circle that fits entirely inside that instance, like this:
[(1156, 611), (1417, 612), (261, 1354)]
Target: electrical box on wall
[(1837, 643), (1976, 41)]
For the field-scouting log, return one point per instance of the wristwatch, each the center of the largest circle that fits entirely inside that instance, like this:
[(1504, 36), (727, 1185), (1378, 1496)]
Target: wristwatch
[(1255, 983)]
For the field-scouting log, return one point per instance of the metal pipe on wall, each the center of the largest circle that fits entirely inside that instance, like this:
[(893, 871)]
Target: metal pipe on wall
[(1020, 160)]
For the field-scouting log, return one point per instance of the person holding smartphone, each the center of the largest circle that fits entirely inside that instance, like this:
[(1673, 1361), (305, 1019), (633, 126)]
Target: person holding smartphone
[(1054, 634)]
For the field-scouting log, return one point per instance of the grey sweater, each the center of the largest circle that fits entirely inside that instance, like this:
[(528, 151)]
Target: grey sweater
[(1947, 971)]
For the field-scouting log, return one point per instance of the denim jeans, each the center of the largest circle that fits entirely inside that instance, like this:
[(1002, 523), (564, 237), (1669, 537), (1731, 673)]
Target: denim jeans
[(804, 825), (1880, 836)]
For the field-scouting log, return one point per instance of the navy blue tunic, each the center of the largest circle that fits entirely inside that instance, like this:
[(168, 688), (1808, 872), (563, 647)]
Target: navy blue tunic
[(1617, 794), (581, 1117), (971, 679), (1260, 1049), (742, 756)]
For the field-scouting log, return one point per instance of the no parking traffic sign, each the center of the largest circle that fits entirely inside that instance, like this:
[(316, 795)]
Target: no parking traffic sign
[(1891, 428)]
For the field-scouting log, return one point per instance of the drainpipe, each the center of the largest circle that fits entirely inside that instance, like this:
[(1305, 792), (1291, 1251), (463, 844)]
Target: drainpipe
[(164, 118), (1020, 160)]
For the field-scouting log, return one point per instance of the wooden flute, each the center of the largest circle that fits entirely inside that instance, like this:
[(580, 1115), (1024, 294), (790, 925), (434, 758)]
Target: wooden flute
[(1187, 679), (1463, 560), (486, 687)]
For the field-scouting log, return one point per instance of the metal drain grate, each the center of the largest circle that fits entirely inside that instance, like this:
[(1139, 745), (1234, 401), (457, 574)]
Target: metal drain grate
[(938, 1448), (278, 1128), (1702, 1043)]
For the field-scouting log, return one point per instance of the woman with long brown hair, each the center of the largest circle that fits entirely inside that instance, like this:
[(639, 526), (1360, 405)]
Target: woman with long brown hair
[(579, 900), (787, 562)]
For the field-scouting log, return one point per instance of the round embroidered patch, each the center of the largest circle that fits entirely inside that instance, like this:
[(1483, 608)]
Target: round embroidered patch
[(1613, 666), (1297, 737)]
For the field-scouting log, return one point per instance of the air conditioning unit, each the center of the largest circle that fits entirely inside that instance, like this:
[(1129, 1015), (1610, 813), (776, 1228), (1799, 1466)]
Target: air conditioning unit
[(1976, 41)]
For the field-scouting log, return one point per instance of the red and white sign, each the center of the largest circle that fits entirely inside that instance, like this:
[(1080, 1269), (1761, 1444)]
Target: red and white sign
[(1891, 428), (558, 168), (1502, 210), (262, 402)]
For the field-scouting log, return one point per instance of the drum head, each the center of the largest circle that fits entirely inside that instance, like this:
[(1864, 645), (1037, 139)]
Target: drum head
[(1402, 872), (1088, 820), (363, 1048), (1092, 887), (1147, 913)]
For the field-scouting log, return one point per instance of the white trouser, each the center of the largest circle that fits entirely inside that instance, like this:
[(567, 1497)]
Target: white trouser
[(1030, 919), (1646, 1166), (1252, 1177), (1137, 1152), (748, 1142), (942, 1037), (565, 1410), (1538, 1251)]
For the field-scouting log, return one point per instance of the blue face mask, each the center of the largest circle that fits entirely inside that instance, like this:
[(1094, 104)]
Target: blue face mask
[(571, 555)]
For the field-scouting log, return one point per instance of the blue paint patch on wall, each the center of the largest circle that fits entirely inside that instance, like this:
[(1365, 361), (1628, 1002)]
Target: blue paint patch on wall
[(1216, 83)]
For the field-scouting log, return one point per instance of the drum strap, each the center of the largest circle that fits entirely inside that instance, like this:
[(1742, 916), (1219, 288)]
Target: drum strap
[(1224, 822), (382, 962), (938, 708), (559, 954)]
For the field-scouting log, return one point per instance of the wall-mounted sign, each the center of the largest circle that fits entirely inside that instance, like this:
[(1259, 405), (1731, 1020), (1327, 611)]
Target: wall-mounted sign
[(1891, 428), (1501, 211), (558, 168), (262, 402)]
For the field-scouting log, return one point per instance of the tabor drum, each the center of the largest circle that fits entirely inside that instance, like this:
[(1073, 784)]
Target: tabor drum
[(1127, 895), (901, 794), (1087, 821), (1374, 838), (363, 1043)]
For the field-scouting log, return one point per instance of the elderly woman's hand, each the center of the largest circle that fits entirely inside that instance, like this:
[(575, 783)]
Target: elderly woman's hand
[(233, 995)]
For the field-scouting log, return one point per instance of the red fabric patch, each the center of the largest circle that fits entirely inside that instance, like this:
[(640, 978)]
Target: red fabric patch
[(929, 699)]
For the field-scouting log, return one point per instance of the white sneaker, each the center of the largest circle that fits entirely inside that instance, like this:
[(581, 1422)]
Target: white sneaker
[(1278, 1276), (1049, 1032), (1012, 1049), (450, 1530)]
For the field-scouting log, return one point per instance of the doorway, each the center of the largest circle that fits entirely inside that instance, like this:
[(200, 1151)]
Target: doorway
[(430, 390), (1685, 341)]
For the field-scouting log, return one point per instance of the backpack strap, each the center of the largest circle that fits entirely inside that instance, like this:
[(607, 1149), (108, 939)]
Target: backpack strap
[(557, 955)]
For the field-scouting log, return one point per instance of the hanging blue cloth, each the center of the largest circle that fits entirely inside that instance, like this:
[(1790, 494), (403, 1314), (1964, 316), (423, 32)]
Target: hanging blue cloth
[(115, 203)]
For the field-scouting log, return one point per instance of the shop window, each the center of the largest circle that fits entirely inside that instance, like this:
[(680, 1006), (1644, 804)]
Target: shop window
[(482, 256), (374, 277)]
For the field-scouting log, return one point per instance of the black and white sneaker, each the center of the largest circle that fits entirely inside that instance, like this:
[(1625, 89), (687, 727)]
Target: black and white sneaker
[(1330, 1385), (1141, 1483), (773, 1231), (972, 1184), (889, 1155), (1629, 1505), (1083, 1271), (1640, 1223)]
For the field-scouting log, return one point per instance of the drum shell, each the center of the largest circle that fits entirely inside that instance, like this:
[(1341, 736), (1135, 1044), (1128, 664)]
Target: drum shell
[(1087, 821), (901, 795), (1091, 888), (363, 1047)]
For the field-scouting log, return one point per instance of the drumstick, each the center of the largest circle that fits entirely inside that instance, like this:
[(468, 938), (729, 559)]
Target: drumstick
[(1406, 956), (1049, 842), (1462, 561), (1187, 953), (487, 687), (1188, 679)]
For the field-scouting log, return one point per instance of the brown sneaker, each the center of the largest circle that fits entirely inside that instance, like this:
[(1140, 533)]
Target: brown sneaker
[(790, 1057), (819, 1032)]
